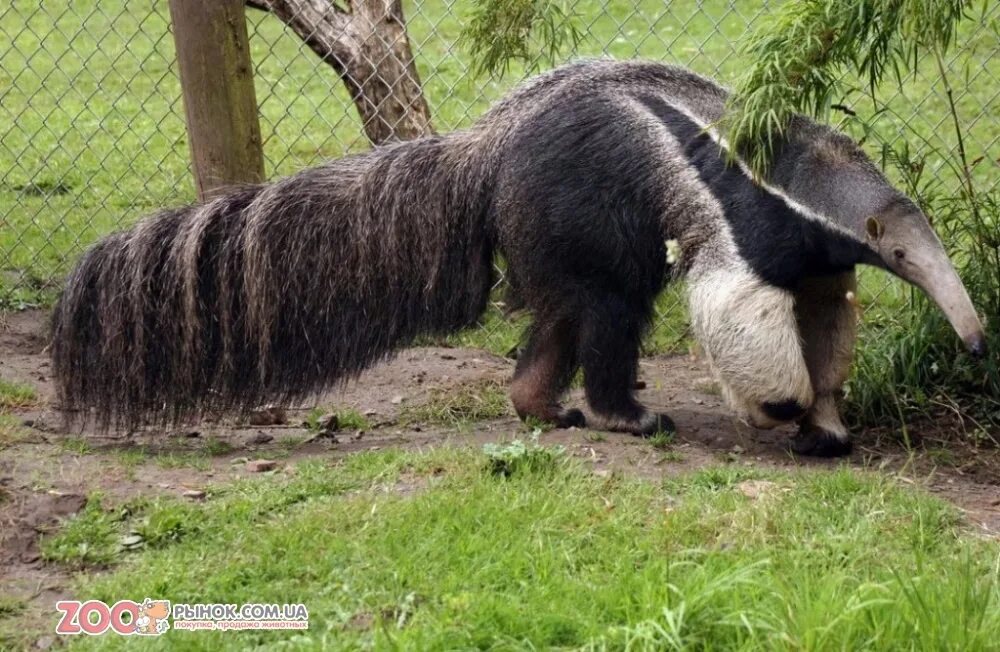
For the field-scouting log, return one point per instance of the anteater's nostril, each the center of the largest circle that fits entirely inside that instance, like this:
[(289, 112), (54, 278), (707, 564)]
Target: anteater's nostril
[(977, 347)]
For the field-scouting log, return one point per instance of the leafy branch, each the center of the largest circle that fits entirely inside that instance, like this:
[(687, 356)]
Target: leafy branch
[(502, 31), (800, 54)]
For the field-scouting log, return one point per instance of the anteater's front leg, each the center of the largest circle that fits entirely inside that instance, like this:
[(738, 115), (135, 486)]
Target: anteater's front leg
[(828, 324), (749, 332)]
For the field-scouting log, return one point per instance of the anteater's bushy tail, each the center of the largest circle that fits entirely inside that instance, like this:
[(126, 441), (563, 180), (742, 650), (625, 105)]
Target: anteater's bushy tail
[(275, 292)]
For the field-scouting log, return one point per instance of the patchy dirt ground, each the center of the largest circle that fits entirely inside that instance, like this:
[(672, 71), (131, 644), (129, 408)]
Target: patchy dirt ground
[(46, 472)]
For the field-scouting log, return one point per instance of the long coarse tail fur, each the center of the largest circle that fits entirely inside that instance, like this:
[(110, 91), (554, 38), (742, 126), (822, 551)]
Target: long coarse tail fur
[(272, 293)]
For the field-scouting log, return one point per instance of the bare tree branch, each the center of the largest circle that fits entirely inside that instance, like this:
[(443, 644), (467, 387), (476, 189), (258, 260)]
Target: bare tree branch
[(366, 44)]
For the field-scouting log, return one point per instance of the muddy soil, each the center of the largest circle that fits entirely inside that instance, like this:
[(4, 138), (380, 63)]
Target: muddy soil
[(46, 472)]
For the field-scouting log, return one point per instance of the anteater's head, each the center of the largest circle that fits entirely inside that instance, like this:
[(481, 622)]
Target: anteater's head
[(832, 175)]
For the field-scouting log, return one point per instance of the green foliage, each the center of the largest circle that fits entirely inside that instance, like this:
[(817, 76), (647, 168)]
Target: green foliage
[(518, 457), (501, 31), (798, 54)]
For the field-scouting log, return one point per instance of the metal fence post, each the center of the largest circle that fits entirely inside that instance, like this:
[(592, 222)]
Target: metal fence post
[(213, 55)]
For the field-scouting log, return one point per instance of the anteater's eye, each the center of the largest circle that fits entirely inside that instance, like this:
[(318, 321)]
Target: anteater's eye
[(899, 254)]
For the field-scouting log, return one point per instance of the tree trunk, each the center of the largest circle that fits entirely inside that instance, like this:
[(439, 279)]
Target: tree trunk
[(219, 102), (366, 45)]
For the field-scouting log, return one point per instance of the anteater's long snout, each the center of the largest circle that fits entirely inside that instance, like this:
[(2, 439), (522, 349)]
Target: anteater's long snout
[(932, 272)]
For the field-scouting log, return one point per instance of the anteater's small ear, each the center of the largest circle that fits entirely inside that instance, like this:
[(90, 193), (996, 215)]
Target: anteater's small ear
[(874, 228)]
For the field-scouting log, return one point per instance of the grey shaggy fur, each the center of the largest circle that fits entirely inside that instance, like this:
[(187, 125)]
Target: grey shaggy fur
[(274, 292)]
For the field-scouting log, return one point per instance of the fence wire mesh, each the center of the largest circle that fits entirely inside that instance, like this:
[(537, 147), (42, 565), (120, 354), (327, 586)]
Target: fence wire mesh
[(92, 132)]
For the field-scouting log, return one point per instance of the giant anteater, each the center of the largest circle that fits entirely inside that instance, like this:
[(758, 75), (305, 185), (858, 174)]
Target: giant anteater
[(578, 178)]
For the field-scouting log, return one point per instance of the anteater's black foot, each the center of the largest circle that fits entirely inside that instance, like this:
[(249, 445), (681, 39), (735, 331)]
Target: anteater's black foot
[(646, 425), (556, 416), (570, 418), (817, 442), (656, 422)]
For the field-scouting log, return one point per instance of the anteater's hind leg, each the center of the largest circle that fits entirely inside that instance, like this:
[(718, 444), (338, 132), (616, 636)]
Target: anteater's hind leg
[(828, 325), (544, 370), (610, 333)]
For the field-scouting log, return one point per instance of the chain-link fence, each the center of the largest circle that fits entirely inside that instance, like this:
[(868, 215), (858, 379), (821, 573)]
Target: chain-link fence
[(92, 132)]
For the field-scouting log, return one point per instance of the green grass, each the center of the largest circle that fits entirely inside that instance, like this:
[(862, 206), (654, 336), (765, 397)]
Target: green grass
[(662, 440), (130, 459), (11, 431), (10, 606), (76, 445), (459, 406), (348, 419), (670, 456), (518, 457), (215, 446), (199, 458), (90, 539), (11, 635), (351, 419), (16, 395), (551, 555)]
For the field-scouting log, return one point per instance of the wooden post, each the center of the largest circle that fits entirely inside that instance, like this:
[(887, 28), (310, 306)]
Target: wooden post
[(213, 55)]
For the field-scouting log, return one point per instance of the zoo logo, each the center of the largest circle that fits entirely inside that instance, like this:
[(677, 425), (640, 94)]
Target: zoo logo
[(94, 617)]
